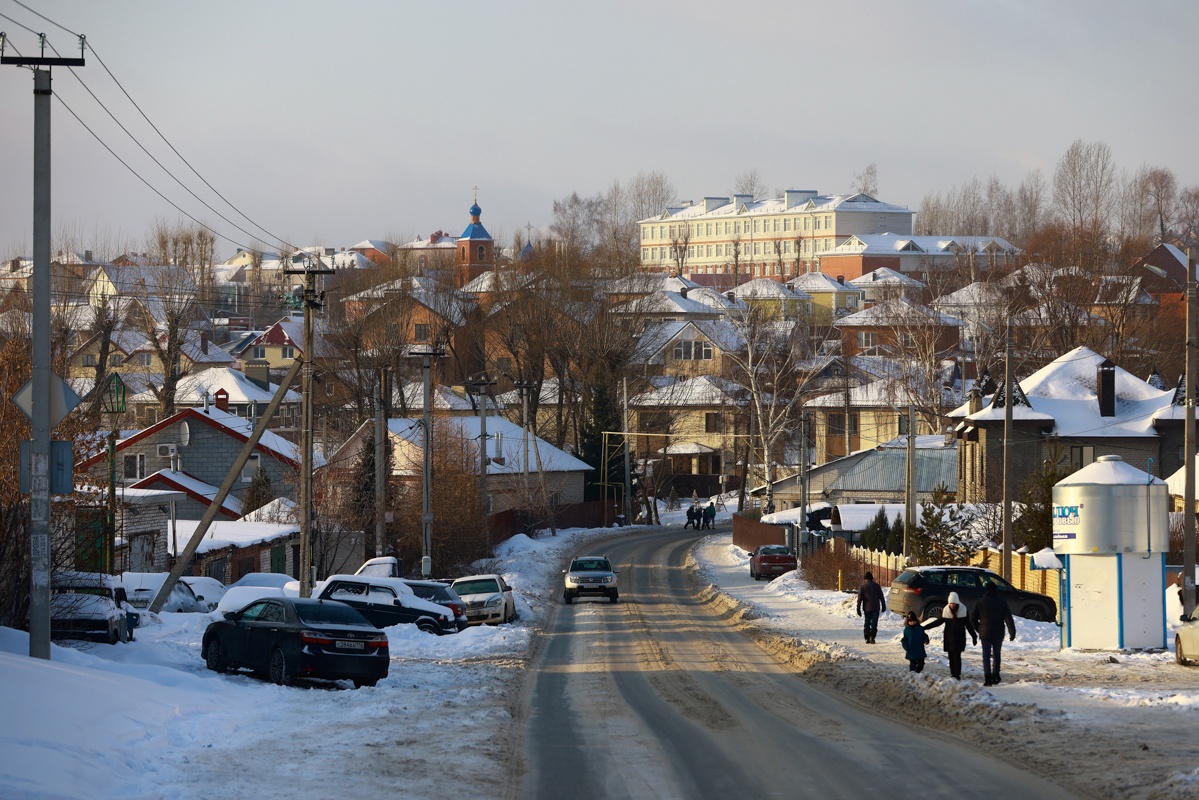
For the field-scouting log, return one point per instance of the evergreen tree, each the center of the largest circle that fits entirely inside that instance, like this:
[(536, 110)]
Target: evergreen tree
[(603, 414), (940, 535), (260, 492), (895, 536), (877, 531)]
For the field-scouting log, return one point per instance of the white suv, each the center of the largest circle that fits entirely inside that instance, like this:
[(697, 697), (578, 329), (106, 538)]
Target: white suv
[(590, 575)]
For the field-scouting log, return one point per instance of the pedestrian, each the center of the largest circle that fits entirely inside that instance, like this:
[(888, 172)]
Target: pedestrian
[(690, 518), (989, 616), (957, 625), (914, 640), (870, 600), (709, 515)]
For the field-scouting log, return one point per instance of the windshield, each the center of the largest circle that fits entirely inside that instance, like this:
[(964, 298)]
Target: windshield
[(591, 565), (479, 586), (775, 550), (329, 614)]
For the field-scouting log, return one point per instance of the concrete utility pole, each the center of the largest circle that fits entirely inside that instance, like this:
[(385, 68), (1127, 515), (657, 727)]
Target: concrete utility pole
[(312, 301), (482, 386), (524, 387), (39, 466), (628, 461), (380, 467), (909, 500), (1010, 349), (426, 561), (1188, 519)]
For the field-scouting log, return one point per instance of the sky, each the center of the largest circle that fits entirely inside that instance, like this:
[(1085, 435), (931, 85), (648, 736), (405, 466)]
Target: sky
[(332, 123)]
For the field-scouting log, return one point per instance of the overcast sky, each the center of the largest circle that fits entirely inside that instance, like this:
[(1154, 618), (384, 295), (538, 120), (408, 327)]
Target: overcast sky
[(331, 123)]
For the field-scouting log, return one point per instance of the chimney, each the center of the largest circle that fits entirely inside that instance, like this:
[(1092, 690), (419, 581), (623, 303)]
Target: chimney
[(87, 255), (796, 197), (258, 371), (14, 265), (742, 199), (204, 342), (841, 279), (683, 292), (976, 401), (1105, 388), (713, 203), (222, 400)]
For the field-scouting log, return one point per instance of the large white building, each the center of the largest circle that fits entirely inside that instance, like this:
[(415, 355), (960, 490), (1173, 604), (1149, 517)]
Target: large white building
[(777, 238)]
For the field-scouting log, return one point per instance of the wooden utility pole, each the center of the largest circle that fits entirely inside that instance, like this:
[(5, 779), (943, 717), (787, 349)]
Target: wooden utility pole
[(909, 499), (1188, 519), (380, 466), (1006, 561)]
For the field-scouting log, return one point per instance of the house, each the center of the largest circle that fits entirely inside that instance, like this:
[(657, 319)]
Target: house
[(1066, 414), (688, 348), (245, 394), (554, 476), (695, 428), (924, 256), (831, 298), (899, 327), (774, 299), (203, 443), (884, 285)]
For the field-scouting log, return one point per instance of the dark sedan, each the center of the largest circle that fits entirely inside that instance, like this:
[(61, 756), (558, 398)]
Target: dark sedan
[(289, 637), (924, 591)]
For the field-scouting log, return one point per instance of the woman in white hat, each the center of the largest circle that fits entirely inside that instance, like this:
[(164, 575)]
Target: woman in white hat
[(957, 625)]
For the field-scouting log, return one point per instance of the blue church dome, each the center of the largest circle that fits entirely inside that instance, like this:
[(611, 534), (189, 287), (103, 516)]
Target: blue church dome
[(475, 210)]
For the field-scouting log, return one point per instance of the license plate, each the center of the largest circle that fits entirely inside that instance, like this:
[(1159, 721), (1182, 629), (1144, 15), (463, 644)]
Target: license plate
[(342, 644)]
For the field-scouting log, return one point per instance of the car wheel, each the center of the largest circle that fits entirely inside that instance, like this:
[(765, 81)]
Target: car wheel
[(1034, 613), (114, 636), (428, 626), (214, 658), (614, 598), (933, 610), (568, 597), (280, 673), (1179, 656), (359, 683)]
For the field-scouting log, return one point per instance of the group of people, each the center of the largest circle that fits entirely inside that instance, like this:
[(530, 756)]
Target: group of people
[(700, 517), (987, 622)]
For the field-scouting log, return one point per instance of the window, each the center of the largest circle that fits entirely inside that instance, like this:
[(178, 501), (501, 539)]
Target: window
[(691, 251), (482, 253), (250, 469), (654, 421), (645, 254), (89, 359), (867, 339), (776, 226), (828, 222), (726, 229), (692, 351), (329, 388), (757, 226), (135, 466), (287, 351), (422, 332), (1081, 456), (713, 423), (671, 231), (258, 352), (116, 360), (709, 251), (757, 248), (787, 224), (720, 252), (708, 228), (905, 339), (806, 220), (145, 359)]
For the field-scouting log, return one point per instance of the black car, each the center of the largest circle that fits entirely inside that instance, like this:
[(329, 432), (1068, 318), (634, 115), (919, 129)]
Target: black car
[(924, 590), (388, 601), (439, 592), (291, 637)]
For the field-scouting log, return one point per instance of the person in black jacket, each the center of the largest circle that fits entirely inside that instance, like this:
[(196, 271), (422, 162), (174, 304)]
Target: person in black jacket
[(957, 625), (989, 616), (870, 599)]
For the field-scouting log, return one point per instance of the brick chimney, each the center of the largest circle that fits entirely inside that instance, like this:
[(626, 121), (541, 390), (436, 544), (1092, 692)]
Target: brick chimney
[(258, 370), (1105, 388), (204, 342)]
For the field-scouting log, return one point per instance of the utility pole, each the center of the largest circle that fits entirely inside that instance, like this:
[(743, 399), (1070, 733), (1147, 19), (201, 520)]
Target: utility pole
[(628, 465), (481, 386), (312, 301), (1188, 519), (426, 561), (524, 387), (39, 451), (380, 466), (803, 475), (1010, 349), (909, 500)]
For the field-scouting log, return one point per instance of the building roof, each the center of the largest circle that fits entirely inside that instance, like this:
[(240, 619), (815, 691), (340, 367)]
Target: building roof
[(819, 283), (242, 391), (662, 302), (193, 487), (885, 469), (767, 289), (232, 533), (502, 435), (719, 207), (898, 312), (704, 391), (885, 276)]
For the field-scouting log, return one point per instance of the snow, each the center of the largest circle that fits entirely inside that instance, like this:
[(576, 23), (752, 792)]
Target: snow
[(130, 719)]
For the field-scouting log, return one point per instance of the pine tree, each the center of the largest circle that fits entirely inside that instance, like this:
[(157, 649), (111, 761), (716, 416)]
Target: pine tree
[(260, 492), (895, 536), (603, 415), (877, 531), (939, 534)]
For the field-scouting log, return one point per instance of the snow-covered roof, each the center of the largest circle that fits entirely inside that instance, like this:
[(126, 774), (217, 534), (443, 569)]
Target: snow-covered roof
[(662, 302), (706, 390), (744, 204), (192, 485), (977, 294), (191, 389), (885, 276), (1110, 471), (502, 434), (767, 289), (444, 398), (235, 533), (819, 283), (373, 244), (898, 312)]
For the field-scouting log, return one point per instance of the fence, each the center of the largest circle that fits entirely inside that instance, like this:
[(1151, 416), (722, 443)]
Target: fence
[(749, 534), (506, 524)]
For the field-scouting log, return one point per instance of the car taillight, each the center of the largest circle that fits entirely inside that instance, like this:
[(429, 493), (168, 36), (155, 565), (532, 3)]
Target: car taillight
[(916, 590), (379, 641), (457, 609), (312, 637)]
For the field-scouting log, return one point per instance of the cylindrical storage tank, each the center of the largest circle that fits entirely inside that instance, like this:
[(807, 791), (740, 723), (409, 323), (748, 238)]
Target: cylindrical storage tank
[(1110, 506)]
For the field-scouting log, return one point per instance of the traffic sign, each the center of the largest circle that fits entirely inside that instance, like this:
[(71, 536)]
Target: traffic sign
[(62, 400)]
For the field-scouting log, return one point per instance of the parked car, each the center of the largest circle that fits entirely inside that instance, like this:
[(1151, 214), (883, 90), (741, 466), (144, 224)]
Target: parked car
[(143, 587), (488, 599), (923, 590), (90, 605), (386, 602), (275, 579), (1186, 639), (771, 559), (291, 637), (208, 590), (439, 592), (238, 597), (590, 575), (382, 567)]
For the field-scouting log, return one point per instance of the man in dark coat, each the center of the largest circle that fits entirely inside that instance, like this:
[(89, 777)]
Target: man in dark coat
[(870, 600), (957, 625), (989, 616)]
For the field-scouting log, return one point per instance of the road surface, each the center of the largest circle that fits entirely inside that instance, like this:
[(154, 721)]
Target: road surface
[(657, 697)]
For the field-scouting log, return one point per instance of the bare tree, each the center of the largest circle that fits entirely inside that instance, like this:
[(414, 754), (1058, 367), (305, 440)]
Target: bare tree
[(680, 245), (1084, 195), (866, 181), (649, 194), (1161, 190), (1187, 214), (750, 183)]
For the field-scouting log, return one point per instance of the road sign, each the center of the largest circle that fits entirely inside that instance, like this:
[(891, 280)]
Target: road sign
[(62, 400)]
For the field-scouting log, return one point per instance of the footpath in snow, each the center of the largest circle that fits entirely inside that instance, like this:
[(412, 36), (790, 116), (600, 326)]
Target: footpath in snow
[(1105, 724)]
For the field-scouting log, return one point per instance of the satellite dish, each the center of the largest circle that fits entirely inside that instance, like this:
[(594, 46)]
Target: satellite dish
[(184, 433)]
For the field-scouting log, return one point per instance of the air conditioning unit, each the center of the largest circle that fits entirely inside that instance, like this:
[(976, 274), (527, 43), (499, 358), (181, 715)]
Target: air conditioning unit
[(167, 450)]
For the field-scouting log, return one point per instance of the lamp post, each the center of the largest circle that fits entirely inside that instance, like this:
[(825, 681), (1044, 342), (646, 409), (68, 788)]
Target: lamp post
[(426, 562), (482, 385)]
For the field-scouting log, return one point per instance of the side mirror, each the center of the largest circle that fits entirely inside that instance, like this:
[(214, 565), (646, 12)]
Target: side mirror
[(615, 572), (1183, 618), (397, 602), (199, 597), (563, 572), (231, 616)]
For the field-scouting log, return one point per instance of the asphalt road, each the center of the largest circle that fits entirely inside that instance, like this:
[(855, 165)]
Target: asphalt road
[(657, 697)]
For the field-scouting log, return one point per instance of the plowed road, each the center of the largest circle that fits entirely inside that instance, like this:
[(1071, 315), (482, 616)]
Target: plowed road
[(657, 697)]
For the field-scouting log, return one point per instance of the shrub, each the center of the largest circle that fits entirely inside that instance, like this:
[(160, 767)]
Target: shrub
[(819, 568)]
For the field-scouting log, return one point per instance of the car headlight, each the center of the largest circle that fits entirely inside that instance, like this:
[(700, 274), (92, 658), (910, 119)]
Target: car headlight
[(495, 601)]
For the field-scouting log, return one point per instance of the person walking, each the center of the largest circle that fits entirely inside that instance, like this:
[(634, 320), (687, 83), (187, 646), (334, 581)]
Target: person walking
[(872, 601), (709, 515), (990, 616), (691, 522), (957, 625), (914, 640)]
